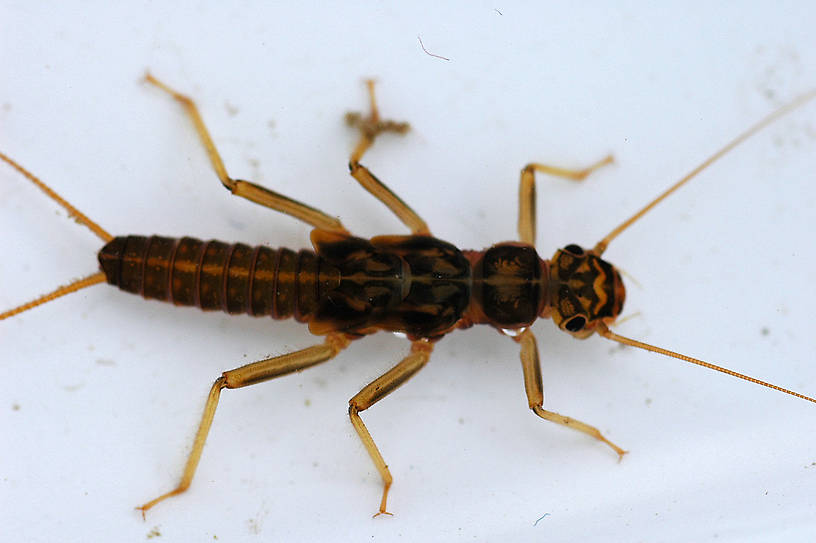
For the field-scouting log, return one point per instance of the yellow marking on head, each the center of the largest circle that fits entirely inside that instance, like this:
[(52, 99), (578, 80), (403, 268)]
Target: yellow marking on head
[(597, 286)]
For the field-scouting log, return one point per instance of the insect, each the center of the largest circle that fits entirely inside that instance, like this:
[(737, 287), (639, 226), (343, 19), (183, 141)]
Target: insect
[(348, 287)]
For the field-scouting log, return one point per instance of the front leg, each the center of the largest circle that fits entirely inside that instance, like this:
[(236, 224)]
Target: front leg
[(527, 193), (535, 392)]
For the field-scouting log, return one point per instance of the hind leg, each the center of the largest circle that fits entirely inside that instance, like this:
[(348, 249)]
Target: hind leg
[(251, 374), (246, 189)]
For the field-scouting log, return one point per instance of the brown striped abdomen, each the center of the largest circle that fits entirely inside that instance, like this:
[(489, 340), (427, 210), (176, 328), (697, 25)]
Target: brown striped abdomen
[(213, 275)]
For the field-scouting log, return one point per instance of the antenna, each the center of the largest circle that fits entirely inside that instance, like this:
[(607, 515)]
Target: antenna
[(609, 334), (601, 246)]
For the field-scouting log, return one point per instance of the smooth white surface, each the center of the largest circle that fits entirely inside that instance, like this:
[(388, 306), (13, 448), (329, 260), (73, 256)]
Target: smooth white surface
[(103, 390)]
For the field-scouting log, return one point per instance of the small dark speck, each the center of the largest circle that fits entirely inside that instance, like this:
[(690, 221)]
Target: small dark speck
[(765, 331), (497, 11), (648, 401), (255, 164), (15, 407), (231, 109), (616, 348), (238, 225), (766, 492)]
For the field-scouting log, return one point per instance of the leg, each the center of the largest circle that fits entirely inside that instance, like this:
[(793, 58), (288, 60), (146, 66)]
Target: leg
[(527, 198), (250, 374), (535, 392), (245, 189), (377, 390), (370, 127)]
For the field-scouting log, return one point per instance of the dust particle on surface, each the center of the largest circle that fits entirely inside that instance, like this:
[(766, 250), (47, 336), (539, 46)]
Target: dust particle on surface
[(15, 407), (765, 331), (154, 533), (422, 45)]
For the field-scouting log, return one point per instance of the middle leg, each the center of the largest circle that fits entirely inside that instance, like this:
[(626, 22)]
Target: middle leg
[(376, 391), (370, 127)]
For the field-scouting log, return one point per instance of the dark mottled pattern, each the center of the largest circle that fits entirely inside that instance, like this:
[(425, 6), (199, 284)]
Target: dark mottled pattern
[(507, 284), (583, 284), (413, 284)]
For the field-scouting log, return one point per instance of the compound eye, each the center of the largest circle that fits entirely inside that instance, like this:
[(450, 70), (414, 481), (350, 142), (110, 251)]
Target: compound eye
[(574, 250), (575, 324)]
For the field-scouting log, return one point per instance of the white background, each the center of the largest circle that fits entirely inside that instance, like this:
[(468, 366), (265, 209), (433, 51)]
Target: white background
[(103, 391)]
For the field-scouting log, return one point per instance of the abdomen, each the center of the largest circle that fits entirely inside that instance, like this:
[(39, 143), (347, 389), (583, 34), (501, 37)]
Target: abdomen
[(213, 275)]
